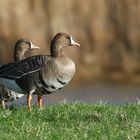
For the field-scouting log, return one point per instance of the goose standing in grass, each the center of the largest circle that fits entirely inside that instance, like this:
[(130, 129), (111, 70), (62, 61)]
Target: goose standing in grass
[(42, 72), (21, 47)]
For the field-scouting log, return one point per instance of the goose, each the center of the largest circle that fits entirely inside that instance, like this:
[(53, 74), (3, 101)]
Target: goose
[(47, 73), (21, 47)]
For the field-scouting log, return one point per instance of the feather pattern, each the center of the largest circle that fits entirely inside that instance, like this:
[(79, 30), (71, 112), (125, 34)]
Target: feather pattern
[(23, 67), (46, 73), (6, 94)]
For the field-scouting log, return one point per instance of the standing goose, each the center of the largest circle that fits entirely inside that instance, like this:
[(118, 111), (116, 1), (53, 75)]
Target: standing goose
[(42, 72), (21, 47)]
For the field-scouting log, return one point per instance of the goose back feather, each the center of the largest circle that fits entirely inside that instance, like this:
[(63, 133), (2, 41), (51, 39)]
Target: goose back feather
[(21, 47), (42, 72)]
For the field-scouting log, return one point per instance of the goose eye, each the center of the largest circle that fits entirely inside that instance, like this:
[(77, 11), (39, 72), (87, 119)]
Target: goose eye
[(28, 43), (67, 37)]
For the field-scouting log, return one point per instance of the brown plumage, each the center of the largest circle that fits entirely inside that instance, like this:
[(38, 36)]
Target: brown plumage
[(41, 72), (21, 47)]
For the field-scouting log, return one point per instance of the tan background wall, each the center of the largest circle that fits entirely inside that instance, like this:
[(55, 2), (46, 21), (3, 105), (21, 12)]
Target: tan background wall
[(108, 31)]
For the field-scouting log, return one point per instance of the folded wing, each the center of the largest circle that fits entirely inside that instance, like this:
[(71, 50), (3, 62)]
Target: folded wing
[(24, 67)]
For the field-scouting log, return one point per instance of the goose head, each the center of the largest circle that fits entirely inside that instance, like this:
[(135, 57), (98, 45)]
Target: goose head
[(21, 47), (60, 41)]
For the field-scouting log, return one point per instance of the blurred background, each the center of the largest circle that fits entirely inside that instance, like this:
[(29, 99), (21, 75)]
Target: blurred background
[(108, 61)]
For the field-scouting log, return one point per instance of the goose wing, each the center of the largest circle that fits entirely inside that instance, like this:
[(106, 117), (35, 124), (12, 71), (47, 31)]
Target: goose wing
[(24, 67)]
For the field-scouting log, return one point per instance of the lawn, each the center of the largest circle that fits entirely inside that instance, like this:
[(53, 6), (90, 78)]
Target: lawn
[(72, 121)]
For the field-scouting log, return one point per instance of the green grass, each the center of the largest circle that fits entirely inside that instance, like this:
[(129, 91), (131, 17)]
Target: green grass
[(72, 121)]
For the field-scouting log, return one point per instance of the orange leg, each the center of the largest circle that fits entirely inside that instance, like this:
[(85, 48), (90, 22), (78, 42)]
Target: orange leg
[(39, 101), (29, 98)]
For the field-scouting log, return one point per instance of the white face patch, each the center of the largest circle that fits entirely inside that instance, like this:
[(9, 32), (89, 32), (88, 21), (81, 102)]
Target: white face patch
[(33, 46), (73, 42)]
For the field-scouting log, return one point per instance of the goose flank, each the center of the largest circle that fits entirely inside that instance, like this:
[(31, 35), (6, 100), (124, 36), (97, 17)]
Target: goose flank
[(47, 73), (21, 47)]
